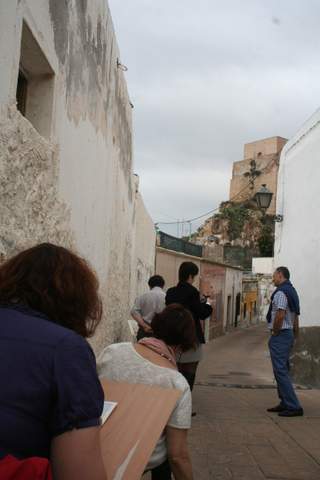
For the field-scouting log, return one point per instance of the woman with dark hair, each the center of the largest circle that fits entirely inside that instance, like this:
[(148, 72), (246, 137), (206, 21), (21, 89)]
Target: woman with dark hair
[(152, 361), (187, 295), (51, 398)]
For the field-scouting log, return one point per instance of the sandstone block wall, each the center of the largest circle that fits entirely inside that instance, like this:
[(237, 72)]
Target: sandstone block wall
[(266, 154)]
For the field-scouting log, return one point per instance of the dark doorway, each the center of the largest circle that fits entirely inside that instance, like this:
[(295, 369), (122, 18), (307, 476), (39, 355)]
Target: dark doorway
[(22, 88), (238, 303), (229, 318)]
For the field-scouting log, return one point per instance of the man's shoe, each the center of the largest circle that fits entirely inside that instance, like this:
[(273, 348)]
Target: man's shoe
[(291, 413), (277, 409)]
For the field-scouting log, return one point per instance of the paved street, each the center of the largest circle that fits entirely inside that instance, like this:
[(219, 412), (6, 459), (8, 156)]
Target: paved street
[(232, 436)]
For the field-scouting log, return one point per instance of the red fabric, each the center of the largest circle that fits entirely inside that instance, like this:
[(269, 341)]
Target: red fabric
[(29, 469)]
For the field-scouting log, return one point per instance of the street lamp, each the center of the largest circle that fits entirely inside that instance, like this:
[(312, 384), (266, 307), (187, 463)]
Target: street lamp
[(263, 198)]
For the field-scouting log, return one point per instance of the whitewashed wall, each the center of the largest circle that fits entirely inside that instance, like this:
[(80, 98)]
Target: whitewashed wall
[(298, 239), (297, 243), (144, 248), (74, 186)]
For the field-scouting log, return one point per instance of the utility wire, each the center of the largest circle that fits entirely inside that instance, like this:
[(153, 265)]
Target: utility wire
[(217, 208), (204, 214)]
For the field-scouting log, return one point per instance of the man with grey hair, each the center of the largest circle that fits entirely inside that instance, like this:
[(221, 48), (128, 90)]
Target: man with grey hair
[(283, 322)]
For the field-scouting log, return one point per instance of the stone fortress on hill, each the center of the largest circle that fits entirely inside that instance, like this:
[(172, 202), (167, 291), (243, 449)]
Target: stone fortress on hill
[(240, 230)]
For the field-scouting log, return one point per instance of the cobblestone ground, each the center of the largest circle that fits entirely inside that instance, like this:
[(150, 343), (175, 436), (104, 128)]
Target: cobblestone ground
[(232, 436)]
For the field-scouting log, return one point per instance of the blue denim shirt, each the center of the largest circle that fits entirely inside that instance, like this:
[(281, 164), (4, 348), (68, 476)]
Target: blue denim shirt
[(49, 383)]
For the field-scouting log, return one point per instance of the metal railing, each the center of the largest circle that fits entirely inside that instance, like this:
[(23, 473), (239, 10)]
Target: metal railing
[(179, 245)]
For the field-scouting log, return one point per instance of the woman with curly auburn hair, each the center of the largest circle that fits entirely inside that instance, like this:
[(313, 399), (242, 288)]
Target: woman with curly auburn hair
[(51, 398)]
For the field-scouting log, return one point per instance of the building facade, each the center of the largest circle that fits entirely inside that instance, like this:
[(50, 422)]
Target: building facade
[(297, 243), (264, 268), (66, 172), (250, 300), (221, 282), (259, 166)]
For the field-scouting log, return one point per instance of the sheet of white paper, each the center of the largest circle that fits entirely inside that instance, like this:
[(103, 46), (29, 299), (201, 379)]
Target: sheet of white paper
[(108, 408)]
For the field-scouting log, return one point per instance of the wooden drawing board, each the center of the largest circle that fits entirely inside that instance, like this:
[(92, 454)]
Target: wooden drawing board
[(131, 432)]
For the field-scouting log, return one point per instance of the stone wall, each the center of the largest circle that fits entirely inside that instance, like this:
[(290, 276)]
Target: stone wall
[(265, 153), (72, 182)]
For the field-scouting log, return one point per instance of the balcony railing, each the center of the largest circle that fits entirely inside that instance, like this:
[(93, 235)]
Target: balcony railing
[(178, 245)]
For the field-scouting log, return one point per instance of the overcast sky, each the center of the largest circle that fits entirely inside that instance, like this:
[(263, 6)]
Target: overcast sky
[(206, 77)]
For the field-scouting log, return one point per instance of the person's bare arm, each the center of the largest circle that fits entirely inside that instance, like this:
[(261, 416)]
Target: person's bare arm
[(77, 455), (278, 321), (178, 454), (139, 319), (296, 326)]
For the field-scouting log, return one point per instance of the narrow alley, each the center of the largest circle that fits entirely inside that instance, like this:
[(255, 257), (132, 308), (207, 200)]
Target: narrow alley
[(232, 436), (159, 190)]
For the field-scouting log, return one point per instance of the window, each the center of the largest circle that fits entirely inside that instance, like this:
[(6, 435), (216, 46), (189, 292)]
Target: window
[(22, 89), (229, 311), (35, 85)]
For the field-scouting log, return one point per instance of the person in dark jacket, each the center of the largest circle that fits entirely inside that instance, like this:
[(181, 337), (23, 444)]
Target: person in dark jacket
[(187, 295), (51, 397)]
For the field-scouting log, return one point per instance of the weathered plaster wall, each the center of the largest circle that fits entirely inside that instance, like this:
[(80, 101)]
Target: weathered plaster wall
[(144, 255), (233, 287), (75, 187), (212, 283), (30, 208), (168, 263), (298, 240), (305, 357)]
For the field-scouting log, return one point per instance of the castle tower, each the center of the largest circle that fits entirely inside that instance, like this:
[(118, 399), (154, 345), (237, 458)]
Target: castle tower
[(260, 166)]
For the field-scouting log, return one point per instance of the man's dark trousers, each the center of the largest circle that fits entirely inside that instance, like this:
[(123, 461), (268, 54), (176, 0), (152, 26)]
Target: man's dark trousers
[(280, 346), (142, 334)]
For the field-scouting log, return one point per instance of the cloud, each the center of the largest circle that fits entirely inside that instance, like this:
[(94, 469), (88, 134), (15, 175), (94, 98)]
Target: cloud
[(206, 78), (168, 191)]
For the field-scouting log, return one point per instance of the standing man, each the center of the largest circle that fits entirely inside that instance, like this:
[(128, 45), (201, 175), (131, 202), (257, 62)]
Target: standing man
[(283, 322), (186, 294), (147, 305)]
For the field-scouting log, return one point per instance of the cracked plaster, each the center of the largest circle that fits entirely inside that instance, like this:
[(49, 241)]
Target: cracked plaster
[(33, 205), (30, 208)]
